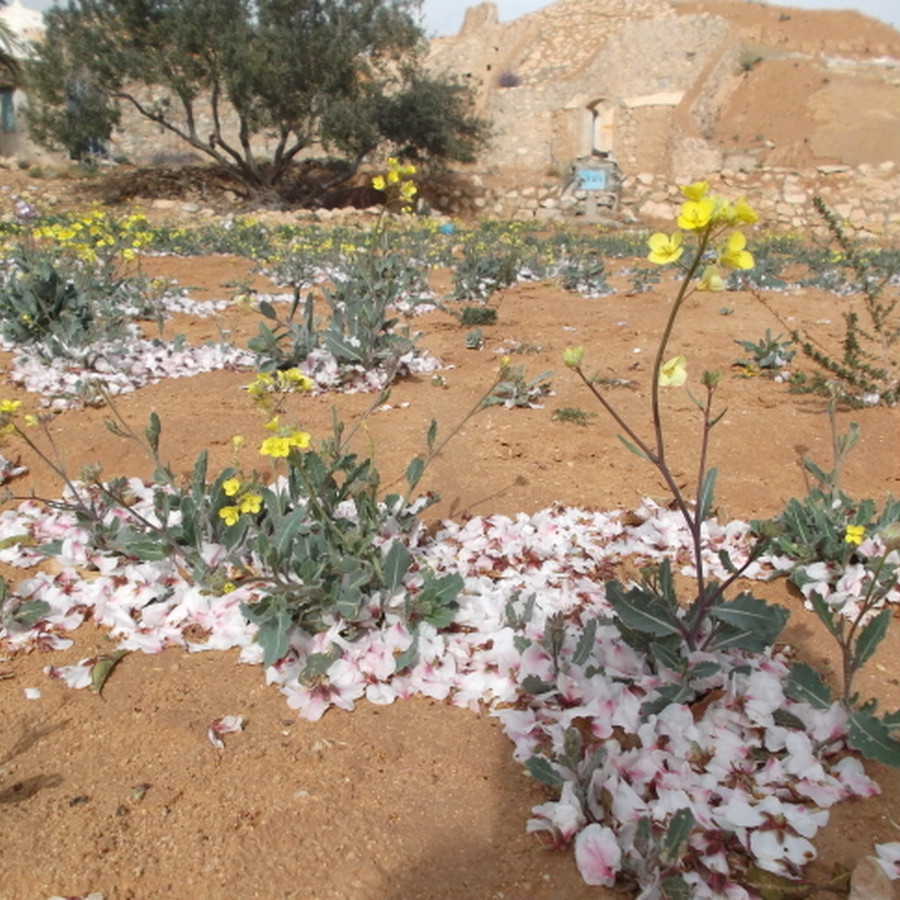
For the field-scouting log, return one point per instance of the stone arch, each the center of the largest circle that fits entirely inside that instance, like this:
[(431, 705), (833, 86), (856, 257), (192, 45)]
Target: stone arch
[(601, 121)]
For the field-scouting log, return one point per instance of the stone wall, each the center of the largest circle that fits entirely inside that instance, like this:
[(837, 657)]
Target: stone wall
[(864, 197)]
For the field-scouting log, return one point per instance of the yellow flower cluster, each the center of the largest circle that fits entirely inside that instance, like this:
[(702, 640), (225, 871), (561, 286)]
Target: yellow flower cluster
[(710, 215), (8, 408), (396, 183), (855, 534), (245, 502), (265, 387), (97, 237), (284, 439)]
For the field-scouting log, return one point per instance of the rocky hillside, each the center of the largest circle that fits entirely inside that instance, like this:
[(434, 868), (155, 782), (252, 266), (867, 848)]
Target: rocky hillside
[(789, 87)]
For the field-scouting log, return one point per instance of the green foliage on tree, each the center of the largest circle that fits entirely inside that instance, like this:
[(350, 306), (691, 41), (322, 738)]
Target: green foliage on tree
[(341, 78), (9, 48)]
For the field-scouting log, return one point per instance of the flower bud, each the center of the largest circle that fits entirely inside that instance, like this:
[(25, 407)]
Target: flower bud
[(890, 535), (572, 356)]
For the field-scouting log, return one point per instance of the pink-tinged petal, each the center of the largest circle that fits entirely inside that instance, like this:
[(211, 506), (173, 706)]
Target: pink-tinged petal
[(597, 855), (850, 773), (223, 725), (562, 818), (889, 858)]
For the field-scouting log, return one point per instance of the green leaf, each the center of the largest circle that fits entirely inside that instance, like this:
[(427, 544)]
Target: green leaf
[(585, 643), (286, 531), (414, 471), (805, 686), (702, 670), (642, 611), (783, 719), (317, 664), (541, 769), (870, 637), (28, 612), (668, 656), (666, 696), (410, 655), (431, 437), (535, 685), (198, 476), (152, 432), (342, 349), (831, 620), (677, 834), (150, 548), (872, 738), (396, 565), (273, 624), (759, 622), (442, 591), (102, 668), (268, 310), (824, 478), (727, 564), (635, 450), (707, 494)]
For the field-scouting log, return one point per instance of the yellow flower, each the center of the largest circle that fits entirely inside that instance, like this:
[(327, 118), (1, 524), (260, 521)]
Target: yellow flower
[(280, 446), (696, 215), (229, 514), (9, 406), (294, 379), (572, 356), (393, 176), (272, 424), (744, 213), (664, 249), (30, 420), (250, 503), (299, 439), (231, 486), (276, 447), (674, 372), (855, 534), (696, 191), (237, 442), (378, 183), (734, 256), (711, 280)]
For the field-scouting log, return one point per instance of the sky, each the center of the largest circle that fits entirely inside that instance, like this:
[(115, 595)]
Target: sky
[(446, 16)]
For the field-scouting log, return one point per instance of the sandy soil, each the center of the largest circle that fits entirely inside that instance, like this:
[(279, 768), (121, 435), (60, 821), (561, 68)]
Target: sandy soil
[(124, 794)]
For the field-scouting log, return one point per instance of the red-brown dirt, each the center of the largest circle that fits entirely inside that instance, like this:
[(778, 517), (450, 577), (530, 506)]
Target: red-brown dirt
[(418, 799)]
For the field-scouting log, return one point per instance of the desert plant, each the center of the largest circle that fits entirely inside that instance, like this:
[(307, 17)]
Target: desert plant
[(769, 354), (845, 560), (572, 414), (868, 370), (686, 643), (361, 330), (478, 315)]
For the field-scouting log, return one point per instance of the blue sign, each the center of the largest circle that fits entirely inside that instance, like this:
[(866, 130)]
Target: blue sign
[(592, 179)]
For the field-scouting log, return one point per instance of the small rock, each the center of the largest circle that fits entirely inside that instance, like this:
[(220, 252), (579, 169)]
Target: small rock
[(869, 882)]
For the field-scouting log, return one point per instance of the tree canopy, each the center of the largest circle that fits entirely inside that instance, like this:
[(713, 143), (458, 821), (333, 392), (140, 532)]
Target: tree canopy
[(338, 77)]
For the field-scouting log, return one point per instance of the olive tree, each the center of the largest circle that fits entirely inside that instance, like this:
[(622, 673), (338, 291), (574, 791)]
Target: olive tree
[(340, 77)]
